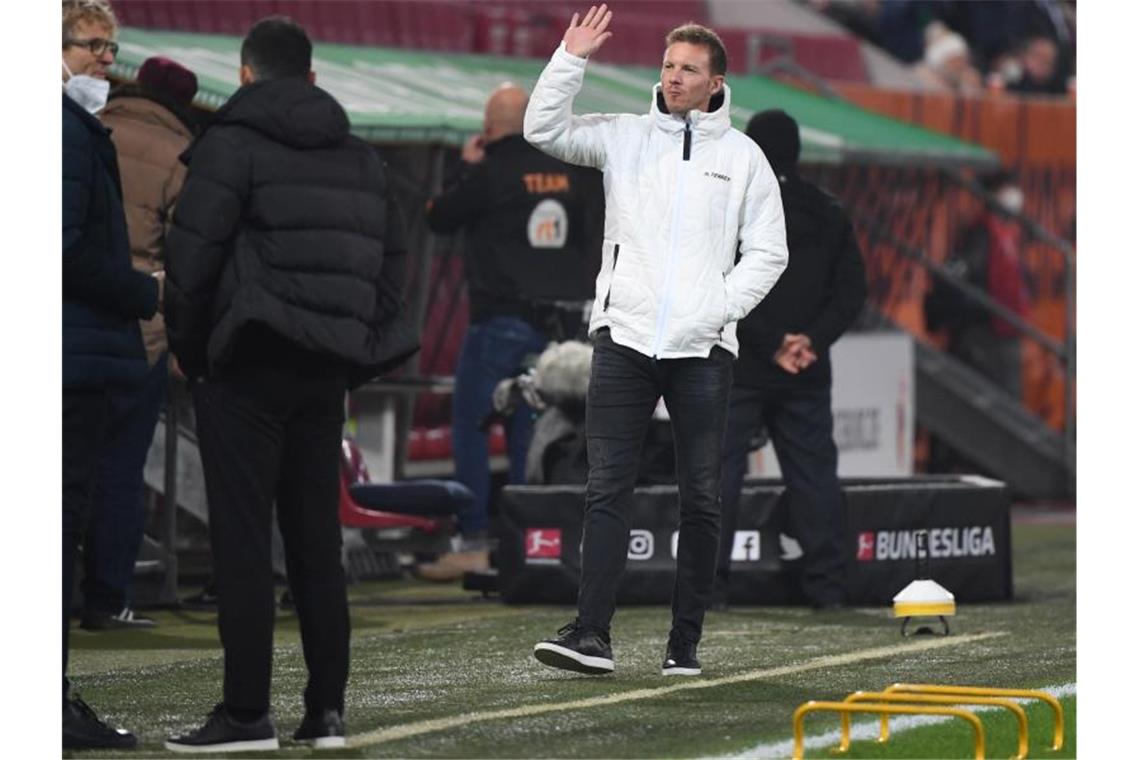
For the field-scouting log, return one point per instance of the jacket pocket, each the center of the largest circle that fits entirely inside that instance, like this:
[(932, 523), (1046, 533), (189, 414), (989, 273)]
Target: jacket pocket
[(613, 274)]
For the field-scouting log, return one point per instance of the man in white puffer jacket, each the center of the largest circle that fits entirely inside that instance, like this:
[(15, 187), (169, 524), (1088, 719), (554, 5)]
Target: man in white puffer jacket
[(684, 190)]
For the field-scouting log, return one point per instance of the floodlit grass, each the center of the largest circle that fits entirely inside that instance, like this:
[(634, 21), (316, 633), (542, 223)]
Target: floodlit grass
[(437, 653)]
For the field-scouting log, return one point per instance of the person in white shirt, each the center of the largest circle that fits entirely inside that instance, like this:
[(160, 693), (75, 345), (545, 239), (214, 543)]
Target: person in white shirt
[(694, 239)]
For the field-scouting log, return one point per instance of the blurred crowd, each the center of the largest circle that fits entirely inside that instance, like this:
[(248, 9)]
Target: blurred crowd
[(968, 46)]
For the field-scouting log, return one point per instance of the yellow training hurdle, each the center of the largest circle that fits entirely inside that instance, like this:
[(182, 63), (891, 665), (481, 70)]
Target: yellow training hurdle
[(882, 696), (884, 709), (985, 691)]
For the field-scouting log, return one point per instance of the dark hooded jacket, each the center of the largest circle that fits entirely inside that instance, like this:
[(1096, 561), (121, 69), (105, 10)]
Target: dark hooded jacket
[(820, 293), (103, 297), (286, 248)]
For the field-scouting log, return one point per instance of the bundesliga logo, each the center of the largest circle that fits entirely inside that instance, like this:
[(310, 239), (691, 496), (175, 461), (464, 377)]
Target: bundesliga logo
[(543, 545), (971, 541)]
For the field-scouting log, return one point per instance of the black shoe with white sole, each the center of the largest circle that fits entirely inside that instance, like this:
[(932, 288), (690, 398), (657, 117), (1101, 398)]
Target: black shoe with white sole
[(681, 658), (577, 648), (222, 733), (323, 730)]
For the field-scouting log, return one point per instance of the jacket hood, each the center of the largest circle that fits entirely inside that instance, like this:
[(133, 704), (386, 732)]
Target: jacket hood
[(712, 123), (289, 111)]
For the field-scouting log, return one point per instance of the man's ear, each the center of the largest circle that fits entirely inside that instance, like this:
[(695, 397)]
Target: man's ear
[(245, 75), (312, 77)]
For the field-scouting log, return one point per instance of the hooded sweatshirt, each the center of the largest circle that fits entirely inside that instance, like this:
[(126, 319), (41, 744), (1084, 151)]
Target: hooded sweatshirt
[(286, 248)]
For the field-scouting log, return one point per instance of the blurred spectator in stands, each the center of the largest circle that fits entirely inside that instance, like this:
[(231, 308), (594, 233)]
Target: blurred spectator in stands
[(286, 259), (150, 126), (103, 299), (1036, 70), (533, 227), (986, 254), (782, 378), (946, 62)]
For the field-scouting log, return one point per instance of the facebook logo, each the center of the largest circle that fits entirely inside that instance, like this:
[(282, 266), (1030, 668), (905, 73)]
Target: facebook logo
[(746, 546)]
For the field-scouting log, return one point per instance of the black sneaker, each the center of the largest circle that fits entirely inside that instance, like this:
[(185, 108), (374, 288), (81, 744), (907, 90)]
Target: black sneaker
[(206, 599), (221, 733), (98, 620), (82, 729), (579, 649), (681, 658), (323, 730)]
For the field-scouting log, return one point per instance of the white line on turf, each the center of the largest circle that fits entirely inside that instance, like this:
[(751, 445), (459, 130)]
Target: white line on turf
[(869, 729), (407, 730)]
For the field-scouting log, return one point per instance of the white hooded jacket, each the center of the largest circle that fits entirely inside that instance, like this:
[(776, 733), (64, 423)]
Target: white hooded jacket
[(681, 193)]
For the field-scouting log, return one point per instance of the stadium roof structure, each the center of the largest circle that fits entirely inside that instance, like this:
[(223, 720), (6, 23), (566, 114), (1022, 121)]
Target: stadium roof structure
[(427, 97)]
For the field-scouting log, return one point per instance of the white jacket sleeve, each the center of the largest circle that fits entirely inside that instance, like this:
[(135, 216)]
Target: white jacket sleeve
[(763, 243), (549, 124)]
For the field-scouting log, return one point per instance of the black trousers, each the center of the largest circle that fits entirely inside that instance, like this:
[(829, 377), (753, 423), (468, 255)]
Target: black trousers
[(269, 434), (799, 423), (623, 391), (84, 425)]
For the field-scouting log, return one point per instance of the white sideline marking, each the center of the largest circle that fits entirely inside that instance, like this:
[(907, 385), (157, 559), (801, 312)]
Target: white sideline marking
[(407, 730), (869, 730)]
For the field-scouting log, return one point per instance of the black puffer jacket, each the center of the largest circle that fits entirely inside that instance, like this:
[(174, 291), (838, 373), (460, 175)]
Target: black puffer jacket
[(820, 293), (285, 229)]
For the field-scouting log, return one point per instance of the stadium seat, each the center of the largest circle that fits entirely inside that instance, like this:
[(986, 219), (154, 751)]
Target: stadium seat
[(428, 506)]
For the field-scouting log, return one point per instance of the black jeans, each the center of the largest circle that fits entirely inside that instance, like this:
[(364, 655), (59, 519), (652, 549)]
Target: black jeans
[(624, 388), (84, 424), (266, 434), (799, 423)]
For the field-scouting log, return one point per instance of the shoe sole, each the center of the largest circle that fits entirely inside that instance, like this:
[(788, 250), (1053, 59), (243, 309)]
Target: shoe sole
[(325, 742), (680, 671), (567, 659), (250, 745)]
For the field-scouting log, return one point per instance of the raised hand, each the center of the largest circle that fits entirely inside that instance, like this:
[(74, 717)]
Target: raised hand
[(474, 149), (586, 38)]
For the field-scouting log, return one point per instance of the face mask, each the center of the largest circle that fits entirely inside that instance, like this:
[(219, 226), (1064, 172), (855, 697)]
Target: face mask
[(1011, 199), (87, 91)]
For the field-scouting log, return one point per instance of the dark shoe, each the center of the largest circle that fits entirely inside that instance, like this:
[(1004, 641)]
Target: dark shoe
[(221, 733), (681, 658), (583, 650), (828, 605), (323, 730), (206, 599), (97, 620), (82, 729)]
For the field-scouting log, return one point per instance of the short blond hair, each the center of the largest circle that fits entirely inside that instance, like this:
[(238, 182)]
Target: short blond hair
[(95, 11)]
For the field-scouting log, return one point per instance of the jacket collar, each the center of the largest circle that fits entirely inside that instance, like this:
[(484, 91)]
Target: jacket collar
[(146, 109), (703, 124), (89, 121)]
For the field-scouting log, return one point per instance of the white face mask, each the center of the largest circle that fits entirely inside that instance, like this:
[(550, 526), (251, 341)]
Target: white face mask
[(87, 91), (1011, 199)]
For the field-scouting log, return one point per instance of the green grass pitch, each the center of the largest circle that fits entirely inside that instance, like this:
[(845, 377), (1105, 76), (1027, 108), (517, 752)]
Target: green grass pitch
[(440, 673)]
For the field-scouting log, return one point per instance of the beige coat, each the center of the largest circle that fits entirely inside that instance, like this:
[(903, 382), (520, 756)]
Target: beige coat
[(149, 138)]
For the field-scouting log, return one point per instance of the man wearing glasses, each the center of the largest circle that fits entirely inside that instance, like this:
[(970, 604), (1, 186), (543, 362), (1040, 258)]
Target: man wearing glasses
[(103, 299)]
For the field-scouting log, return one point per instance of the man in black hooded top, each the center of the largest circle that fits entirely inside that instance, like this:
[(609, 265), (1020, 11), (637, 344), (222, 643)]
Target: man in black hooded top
[(782, 378), (284, 269)]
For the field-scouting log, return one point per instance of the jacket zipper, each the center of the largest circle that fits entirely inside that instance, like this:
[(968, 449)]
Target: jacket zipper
[(613, 272), (671, 271)]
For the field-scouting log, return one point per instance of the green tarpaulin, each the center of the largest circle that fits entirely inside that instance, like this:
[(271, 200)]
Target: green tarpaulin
[(408, 96)]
